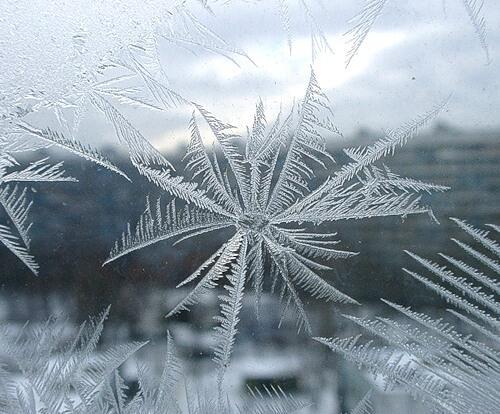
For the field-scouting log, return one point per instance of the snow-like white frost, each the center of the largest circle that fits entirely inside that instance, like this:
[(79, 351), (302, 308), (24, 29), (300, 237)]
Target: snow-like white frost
[(266, 195), (65, 56), (55, 54), (53, 51)]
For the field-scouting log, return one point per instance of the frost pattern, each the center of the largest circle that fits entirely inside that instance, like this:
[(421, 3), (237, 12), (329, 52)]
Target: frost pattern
[(362, 23), (319, 42), (97, 49), (364, 406), (69, 374), (59, 377), (264, 194), (14, 195), (452, 371), (318, 37), (92, 39), (361, 26)]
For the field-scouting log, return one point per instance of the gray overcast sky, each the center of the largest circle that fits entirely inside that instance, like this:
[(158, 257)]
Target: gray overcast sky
[(417, 53), (415, 56)]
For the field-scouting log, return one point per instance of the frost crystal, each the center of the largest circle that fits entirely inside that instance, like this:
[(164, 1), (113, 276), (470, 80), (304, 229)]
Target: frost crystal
[(453, 372), (62, 374), (14, 198), (67, 45), (57, 56), (264, 195), (362, 23)]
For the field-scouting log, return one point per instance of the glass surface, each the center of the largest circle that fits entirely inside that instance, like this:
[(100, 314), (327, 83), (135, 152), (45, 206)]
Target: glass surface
[(318, 143)]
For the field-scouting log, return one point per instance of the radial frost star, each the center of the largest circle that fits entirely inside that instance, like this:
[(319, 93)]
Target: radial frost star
[(264, 194)]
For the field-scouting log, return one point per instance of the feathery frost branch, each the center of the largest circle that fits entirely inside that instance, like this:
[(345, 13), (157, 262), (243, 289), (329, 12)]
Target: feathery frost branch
[(361, 26), (73, 146), (451, 371), (14, 233), (363, 21), (64, 374)]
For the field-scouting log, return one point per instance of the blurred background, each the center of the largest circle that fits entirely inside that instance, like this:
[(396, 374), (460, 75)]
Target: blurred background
[(416, 55)]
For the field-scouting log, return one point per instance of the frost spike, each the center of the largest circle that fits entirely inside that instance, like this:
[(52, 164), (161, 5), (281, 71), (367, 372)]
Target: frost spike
[(17, 247), (75, 147), (230, 308), (368, 155), (214, 273), (365, 406), (474, 9), (362, 24), (478, 235), (152, 228), (17, 208)]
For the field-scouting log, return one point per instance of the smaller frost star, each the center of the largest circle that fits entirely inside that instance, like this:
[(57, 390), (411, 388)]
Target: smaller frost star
[(264, 194)]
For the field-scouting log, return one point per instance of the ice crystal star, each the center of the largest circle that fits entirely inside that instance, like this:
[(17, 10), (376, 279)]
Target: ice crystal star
[(265, 196)]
